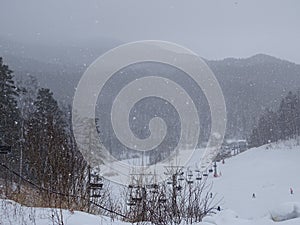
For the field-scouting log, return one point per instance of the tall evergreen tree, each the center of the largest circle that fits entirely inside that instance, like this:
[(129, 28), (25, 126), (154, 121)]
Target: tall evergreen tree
[(52, 153), (9, 112), (46, 138), (9, 116), (287, 116)]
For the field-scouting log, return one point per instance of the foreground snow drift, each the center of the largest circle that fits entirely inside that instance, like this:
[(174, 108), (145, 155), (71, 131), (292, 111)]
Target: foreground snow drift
[(228, 217), (12, 213), (286, 211)]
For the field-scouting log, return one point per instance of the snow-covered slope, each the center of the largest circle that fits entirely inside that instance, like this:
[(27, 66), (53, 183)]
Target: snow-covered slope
[(268, 171)]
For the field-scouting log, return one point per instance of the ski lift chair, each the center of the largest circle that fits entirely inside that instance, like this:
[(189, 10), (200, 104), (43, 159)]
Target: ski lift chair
[(205, 174), (199, 177)]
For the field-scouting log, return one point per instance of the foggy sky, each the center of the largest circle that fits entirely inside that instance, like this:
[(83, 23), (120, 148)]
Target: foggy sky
[(214, 29)]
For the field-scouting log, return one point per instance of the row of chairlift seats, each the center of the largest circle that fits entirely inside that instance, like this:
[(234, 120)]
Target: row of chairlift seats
[(162, 198), (190, 175), (138, 196)]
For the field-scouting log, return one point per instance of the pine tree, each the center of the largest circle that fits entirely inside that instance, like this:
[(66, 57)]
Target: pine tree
[(9, 115), (46, 138), (254, 139), (266, 130), (287, 116), (52, 153)]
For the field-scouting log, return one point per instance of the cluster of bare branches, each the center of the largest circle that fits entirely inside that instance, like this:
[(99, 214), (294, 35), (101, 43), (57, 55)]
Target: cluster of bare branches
[(172, 201)]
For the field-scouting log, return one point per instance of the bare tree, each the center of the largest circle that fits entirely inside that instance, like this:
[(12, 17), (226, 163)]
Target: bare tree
[(180, 198)]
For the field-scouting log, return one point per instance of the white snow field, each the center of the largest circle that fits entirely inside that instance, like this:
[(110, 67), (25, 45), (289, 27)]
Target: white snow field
[(268, 171)]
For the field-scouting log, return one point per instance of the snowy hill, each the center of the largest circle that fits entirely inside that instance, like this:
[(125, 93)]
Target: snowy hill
[(268, 171)]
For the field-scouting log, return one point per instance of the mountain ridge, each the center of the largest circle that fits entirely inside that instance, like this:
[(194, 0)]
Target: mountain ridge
[(250, 85)]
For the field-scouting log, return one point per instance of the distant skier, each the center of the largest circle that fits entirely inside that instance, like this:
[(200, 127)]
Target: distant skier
[(253, 195), (219, 208), (223, 161), (211, 194), (291, 191)]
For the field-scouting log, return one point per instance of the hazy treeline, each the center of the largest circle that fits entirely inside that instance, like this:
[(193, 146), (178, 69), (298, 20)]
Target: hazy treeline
[(280, 124)]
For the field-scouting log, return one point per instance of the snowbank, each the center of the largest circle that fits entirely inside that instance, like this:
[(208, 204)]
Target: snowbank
[(229, 217), (286, 211), (12, 213)]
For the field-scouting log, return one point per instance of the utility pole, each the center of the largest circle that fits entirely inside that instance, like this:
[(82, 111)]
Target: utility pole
[(88, 188), (215, 169), (5, 150)]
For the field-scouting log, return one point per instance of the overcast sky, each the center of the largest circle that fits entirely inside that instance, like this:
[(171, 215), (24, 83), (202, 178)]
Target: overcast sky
[(214, 28)]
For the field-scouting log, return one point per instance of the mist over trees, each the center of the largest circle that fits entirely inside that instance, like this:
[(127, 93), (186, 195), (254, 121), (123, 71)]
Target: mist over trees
[(249, 84), (281, 124)]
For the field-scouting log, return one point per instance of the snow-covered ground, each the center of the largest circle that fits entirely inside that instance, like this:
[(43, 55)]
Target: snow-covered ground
[(12, 213), (269, 172)]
